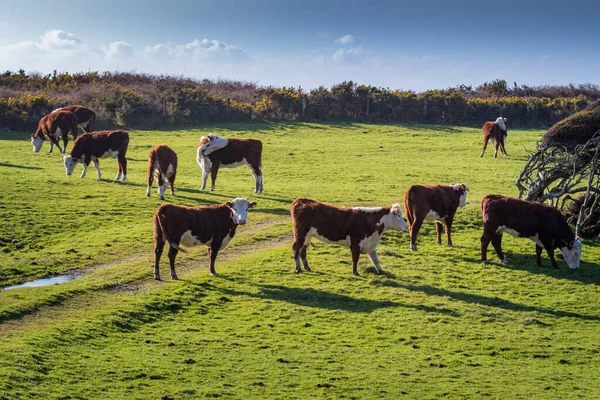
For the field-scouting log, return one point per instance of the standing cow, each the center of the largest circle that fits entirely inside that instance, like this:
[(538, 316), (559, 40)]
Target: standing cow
[(90, 147), (358, 228), (52, 127), (213, 226), (85, 117), (162, 164), (543, 225), (215, 152), (433, 203), (497, 132)]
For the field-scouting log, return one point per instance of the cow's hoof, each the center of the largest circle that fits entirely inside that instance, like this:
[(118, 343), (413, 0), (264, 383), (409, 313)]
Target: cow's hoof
[(298, 271), (450, 245), (438, 242), (157, 277), (173, 194), (174, 277), (307, 269), (162, 198), (481, 155), (504, 261), (355, 273), (380, 272), (413, 247), (485, 262)]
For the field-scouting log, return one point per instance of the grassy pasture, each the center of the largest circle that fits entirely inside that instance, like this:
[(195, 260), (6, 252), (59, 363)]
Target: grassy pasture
[(438, 324)]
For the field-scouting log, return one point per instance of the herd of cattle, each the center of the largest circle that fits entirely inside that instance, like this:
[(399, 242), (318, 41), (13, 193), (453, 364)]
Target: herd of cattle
[(358, 228)]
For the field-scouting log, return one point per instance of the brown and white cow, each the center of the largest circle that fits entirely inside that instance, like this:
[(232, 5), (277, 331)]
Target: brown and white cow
[(213, 226), (543, 225), (85, 116), (433, 203), (497, 132), (215, 152), (53, 126), (90, 147), (358, 228), (162, 164)]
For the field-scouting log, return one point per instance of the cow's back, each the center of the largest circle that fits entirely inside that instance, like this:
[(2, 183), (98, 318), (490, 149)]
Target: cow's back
[(237, 150), (437, 198)]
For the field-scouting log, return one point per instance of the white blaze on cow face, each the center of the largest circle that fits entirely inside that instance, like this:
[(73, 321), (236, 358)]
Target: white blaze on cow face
[(69, 164), (37, 142), (211, 143), (573, 256), (240, 207), (463, 198)]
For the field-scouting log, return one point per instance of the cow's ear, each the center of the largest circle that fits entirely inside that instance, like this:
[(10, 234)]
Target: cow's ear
[(394, 211), (253, 204), (228, 204)]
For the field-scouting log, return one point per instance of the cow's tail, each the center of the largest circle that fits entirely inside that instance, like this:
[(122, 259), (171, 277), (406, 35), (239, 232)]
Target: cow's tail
[(91, 122), (161, 230), (407, 208), (151, 163)]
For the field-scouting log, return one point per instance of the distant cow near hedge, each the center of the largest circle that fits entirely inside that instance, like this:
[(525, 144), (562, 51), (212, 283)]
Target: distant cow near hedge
[(162, 165), (433, 203), (543, 225), (215, 152), (359, 228), (52, 127), (497, 132), (85, 117), (90, 147)]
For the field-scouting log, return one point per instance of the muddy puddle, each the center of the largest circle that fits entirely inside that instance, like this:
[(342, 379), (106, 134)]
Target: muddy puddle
[(44, 282)]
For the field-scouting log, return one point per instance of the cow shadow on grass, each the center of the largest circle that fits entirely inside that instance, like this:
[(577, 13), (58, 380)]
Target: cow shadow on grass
[(314, 298), (485, 300), (7, 165)]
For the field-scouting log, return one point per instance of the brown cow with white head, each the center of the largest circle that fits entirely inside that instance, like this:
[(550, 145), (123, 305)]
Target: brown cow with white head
[(433, 203), (543, 225), (162, 165), (52, 127), (497, 132)]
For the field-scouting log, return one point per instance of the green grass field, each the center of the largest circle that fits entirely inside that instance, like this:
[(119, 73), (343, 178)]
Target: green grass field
[(439, 324)]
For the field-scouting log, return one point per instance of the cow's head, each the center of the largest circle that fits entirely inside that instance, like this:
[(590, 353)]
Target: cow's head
[(502, 123), (69, 162), (240, 206), (572, 253), (37, 139), (210, 143), (462, 189), (396, 221)]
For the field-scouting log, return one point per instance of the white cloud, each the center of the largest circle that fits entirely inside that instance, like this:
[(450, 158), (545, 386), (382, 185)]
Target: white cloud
[(351, 55), (59, 40), (212, 51), (346, 39), (158, 50), (118, 49)]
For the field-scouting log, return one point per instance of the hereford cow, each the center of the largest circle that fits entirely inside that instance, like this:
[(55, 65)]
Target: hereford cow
[(53, 126), (213, 226), (162, 164), (358, 228), (93, 146), (543, 225), (85, 116), (433, 203), (496, 131), (215, 152)]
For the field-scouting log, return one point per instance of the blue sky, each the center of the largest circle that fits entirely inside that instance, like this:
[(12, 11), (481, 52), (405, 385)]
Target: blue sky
[(414, 45)]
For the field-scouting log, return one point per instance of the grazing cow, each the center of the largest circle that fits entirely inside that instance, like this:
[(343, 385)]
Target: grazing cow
[(53, 126), (497, 132), (213, 226), (162, 163), (433, 203), (358, 228), (93, 146), (543, 225), (215, 152), (85, 116)]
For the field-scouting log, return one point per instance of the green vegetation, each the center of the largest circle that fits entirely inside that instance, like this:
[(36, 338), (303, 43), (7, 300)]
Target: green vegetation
[(438, 324)]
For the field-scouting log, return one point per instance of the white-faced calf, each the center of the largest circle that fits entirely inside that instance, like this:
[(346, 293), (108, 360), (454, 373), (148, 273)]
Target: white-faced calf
[(433, 203), (358, 228), (543, 225), (85, 116), (52, 127), (213, 226), (162, 165), (90, 147), (215, 152), (497, 132)]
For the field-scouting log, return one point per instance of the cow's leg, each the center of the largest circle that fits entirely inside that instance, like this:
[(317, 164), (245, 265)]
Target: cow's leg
[(355, 250), (438, 230), (485, 143), (375, 260), (97, 165), (449, 220), (485, 241), (414, 232), (86, 164), (213, 175), (159, 244), (172, 183), (172, 254), (297, 247), (550, 252), (204, 179), (257, 174), (538, 255), (161, 185), (65, 139), (214, 250), (122, 167), (497, 243), (503, 149), (150, 180), (303, 257), (496, 145)]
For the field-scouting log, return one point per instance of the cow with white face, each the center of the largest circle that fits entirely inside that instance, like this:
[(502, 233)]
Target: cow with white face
[(52, 127), (213, 226), (359, 228)]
